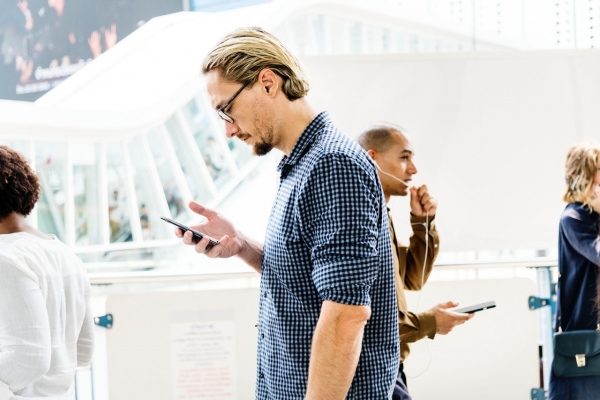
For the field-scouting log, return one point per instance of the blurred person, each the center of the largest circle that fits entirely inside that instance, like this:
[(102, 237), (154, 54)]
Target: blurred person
[(115, 214), (16, 67), (327, 321), (213, 157), (145, 223), (393, 153), (578, 263), (23, 6), (46, 327), (174, 199), (102, 40)]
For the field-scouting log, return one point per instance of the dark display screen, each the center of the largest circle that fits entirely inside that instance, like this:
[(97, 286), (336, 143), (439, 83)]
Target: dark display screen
[(43, 42)]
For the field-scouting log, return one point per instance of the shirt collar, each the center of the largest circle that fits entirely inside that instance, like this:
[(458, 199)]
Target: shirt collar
[(304, 143)]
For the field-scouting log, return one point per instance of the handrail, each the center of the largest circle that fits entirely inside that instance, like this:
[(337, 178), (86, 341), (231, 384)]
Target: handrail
[(106, 278), (529, 262), (163, 277)]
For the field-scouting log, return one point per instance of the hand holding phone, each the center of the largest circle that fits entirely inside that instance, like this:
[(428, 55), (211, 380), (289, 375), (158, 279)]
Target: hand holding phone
[(475, 308), (197, 235)]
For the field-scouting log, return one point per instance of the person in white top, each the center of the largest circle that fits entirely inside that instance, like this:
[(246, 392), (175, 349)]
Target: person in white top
[(46, 325)]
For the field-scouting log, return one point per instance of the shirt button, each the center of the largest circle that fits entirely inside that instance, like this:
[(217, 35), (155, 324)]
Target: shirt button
[(265, 295), (262, 335), (262, 375)]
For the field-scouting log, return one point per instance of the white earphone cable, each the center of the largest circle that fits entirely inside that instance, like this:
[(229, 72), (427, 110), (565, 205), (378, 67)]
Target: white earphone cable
[(426, 224)]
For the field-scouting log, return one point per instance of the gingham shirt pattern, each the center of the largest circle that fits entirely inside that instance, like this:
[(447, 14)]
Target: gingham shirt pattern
[(327, 239)]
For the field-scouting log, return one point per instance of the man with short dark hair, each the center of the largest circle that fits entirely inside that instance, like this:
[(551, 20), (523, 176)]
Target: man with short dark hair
[(392, 152), (328, 321)]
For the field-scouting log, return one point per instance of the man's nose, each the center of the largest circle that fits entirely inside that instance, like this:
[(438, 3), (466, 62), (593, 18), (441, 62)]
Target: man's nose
[(412, 168), (231, 129)]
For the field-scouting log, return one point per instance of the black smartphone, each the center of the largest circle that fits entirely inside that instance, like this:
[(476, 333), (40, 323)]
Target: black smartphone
[(475, 307), (197, 235)]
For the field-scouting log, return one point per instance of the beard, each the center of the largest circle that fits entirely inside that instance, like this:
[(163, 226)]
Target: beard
[(262, 148), (265, 144)]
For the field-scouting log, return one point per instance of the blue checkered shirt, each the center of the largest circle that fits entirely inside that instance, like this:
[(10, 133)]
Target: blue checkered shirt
[(327, 239)]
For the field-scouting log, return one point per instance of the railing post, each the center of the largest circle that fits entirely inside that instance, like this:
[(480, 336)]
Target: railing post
[(545, 304)]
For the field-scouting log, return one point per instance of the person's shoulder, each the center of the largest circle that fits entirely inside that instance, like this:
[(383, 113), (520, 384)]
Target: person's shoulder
[(334, 144), (41, 255), (574, 212), (14, 255)]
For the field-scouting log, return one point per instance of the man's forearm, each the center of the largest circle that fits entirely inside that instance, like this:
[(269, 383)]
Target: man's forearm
[(251, 252), (336, 348)]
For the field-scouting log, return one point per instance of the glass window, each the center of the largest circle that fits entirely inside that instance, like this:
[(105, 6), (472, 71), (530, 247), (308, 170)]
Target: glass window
[(187, 159), (400, 43), (338, 36), (213, 148), (301, 35), (386, 41), (373, 40), (318, 25), (18, 145), (149, 202), (51, 169), (166, 174), (414, 43), (242, 153), (427, 45), (356, 37), (86, 194), (118, 212)]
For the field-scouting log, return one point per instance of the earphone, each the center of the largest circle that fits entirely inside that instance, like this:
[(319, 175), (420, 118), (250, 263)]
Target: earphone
[(426, 224), (390, 175)]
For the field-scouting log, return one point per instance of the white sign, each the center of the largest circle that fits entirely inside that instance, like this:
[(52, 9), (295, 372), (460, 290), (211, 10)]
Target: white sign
[(203, 360)]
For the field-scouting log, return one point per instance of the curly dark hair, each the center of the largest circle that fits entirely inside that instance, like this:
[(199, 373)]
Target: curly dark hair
[(19, 186)]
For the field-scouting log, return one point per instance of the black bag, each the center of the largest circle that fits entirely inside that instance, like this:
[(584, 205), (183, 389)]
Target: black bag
[(577, 353)]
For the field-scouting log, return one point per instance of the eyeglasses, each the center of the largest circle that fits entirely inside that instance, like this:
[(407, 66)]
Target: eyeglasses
[(221, 110)]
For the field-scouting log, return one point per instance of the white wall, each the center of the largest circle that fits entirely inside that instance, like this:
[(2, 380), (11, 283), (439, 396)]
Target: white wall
[(182, 345), (491, 131), (494, 356), (159, 338)]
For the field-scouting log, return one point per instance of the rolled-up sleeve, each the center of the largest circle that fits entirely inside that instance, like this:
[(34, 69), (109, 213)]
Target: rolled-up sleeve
[(342, 219)]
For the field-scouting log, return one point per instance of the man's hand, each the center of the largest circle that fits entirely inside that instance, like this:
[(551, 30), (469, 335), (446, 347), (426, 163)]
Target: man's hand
[(231, 242), (446, 319), (421, 202), (216, 226)]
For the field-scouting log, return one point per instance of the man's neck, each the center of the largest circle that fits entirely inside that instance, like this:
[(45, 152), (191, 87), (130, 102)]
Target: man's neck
[(294, 120)]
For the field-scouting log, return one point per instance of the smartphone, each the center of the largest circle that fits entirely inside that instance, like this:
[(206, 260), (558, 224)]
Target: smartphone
[(197, 235), (475, 307)]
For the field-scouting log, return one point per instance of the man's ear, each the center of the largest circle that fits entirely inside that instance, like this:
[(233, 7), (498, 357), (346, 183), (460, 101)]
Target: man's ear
[(269, 81), (372, 154)]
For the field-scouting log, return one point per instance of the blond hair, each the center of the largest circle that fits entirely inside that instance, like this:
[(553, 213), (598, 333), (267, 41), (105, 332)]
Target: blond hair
[(241, 55), (580, 172)]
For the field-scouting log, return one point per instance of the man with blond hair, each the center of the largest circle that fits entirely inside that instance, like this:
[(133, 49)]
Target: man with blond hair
[(327, 322)]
